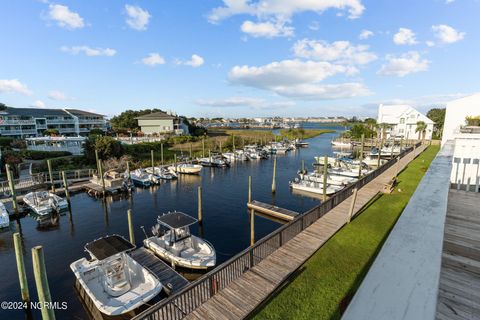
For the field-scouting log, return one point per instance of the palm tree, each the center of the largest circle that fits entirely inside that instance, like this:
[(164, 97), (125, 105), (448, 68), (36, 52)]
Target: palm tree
[(421, 129)]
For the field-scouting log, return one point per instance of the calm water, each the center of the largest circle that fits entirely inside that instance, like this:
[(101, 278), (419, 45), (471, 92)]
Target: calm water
[(226, 222)]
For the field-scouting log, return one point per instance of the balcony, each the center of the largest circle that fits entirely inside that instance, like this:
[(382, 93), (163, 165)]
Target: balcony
[(17, 122), (91, 121), (18, 132), (60, 121)]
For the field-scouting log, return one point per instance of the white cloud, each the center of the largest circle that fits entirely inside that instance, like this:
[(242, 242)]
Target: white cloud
[(64, 17), (449, 1), (195, 61), (298, 79), (430, 43), (404, 36), (338, 51), (283, 9), (39, 104), (365, 34), (254, 103), (90, 52), (410, 62), (267, 29), (14, 85), (314, 25), (153, 59), (447, 34), (57, 95), (138, 18)]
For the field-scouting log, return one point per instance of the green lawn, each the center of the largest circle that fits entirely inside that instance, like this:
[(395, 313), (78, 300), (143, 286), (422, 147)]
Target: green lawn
[(330, 278)]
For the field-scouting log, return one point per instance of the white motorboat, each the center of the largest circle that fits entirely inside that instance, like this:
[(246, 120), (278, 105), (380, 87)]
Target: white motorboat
[(44, 202), (162, 173), (4, 219), (187, 168), (314, 187), (319, 161), (301, 144), (213, 162), (240, 155), (341, 144), (113, 280), (331, 179), (141, 178), (230, 156), (173, 242), (346, 172)]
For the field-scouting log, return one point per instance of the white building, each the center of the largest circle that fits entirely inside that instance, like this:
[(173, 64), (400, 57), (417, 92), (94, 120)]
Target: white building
[(161, 123), (403, 121), (466, 156)]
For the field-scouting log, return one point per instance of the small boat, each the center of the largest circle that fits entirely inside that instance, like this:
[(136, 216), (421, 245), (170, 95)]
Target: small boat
[(4, 219), (213, 162), (341, 144), (240, 155), (141, 178), (346, 172), (173, 242), (44, 202), (230, 156), (301, 144), (331, 179), (113, 280), (314, 187), (162, 173), (186, 168)]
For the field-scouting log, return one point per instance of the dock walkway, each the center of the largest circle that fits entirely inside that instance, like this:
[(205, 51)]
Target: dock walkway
[(459, 290), (271, 210), (240, 297)]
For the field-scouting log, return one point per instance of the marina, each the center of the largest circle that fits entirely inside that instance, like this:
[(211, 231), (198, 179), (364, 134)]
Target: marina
[(91, 217)]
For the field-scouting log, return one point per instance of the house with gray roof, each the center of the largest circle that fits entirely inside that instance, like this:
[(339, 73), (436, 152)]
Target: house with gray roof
[(161, 123)]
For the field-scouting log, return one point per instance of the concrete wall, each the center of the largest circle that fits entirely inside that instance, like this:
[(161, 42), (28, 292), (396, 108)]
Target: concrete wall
[(403, 281)]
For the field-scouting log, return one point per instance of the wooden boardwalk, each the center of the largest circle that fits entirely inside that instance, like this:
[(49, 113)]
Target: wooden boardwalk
[(170, 279), (459, 290), (271, 210), (245, 294)]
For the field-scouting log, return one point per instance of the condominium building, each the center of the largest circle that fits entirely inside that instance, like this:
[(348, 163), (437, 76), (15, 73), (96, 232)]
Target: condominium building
[(32, 122), (161, 123)]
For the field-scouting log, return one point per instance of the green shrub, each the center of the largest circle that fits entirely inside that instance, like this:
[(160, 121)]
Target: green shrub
[(5, 141), (40, 155)]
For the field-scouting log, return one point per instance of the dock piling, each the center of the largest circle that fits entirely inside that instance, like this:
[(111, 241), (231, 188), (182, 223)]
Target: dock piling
[(249, 189), (65, 185), (352, 205), (41, 282), (325, 173), (22, 277), (379, 154), (274, 183), (303, 166), (11, 184), (161, 153), (152, 160), (252, 227), (200, 218), (50, 175), (203, 147), (191, 150), (361, 156), (131, 234)]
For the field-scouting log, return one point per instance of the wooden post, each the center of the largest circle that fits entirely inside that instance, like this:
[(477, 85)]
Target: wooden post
[(175, 162), (325, 173), (11, 184), (50, 175), (161, 151), (252, 227), (131, 234), (101, 175), (97, 161), (361, 157), (65, 185), (274, 184), (200, 217), (41, 281), (152, 160), (391, 152), (303, 166), (220, 147), (379, 154), (203, 147), (128, 170), (249, 189), (22, 277), (233, 143), (191, 150), (352, 205)]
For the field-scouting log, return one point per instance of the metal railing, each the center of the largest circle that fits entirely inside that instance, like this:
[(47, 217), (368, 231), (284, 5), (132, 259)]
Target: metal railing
[(196, 293)]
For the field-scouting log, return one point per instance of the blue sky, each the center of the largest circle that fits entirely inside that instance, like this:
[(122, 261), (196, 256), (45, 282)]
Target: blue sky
[(237, 58)]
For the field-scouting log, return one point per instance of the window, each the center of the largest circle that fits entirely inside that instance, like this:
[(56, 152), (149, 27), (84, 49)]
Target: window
[(402, 120), (400, 131)]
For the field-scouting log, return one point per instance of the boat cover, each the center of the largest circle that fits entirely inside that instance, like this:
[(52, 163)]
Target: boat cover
[(108, 246), (175, 220)]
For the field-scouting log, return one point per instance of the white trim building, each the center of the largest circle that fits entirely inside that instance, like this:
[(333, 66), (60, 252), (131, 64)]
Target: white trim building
[(403, 121)]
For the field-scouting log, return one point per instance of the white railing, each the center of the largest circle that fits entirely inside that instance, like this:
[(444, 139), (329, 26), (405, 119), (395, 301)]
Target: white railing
[(43, 147), (17, 132), (18, 122)]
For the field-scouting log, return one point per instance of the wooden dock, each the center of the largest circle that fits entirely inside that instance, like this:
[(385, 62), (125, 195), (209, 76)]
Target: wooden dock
[(238, 287), (170, 279), (459, 290), (271, 210)]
